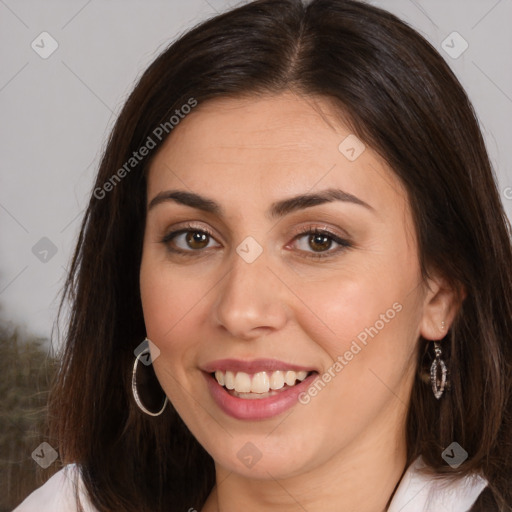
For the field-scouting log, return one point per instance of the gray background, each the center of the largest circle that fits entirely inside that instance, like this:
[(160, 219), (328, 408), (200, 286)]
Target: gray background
[(57, 112)]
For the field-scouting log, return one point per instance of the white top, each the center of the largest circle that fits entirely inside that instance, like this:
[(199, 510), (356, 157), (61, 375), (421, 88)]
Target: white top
[(415, 493)]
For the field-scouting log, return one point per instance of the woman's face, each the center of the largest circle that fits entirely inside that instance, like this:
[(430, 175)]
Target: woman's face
[(278, 245)]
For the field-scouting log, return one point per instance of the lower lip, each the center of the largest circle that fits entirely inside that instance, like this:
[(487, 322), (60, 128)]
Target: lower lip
[(257, 408)]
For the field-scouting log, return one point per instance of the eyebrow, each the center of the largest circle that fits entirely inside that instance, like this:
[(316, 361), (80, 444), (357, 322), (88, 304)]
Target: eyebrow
[(277, 209)]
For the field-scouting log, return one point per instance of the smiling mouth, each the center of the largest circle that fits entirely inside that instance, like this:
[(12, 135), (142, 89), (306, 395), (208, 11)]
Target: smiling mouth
[(259, 385)]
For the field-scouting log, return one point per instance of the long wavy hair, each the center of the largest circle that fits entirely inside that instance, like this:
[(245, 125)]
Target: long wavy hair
[(400, 97)]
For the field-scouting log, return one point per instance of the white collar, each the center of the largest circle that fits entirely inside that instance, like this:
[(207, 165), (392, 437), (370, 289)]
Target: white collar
[(417, 492)]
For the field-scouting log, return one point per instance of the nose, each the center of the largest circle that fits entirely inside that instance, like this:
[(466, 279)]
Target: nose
[(251, 301)]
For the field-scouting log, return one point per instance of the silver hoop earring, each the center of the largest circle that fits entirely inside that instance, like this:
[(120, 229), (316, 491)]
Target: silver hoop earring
[(438, 385), (135, 391)]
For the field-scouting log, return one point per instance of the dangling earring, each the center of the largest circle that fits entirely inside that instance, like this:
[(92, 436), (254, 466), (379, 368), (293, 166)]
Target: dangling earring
[(144, 353), (438, 385)]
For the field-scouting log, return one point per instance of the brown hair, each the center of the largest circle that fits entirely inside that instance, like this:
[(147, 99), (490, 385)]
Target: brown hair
[(400, 98)]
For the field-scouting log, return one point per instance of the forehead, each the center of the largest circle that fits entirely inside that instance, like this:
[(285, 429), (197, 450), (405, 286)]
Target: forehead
[(270, 147)]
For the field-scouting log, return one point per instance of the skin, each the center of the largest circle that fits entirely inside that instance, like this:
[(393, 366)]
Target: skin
[(209, 303)]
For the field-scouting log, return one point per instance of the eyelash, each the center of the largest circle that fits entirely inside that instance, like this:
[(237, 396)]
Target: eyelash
[(308, 230)]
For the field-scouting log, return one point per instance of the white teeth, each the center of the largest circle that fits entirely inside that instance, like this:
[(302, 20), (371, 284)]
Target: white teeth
[(302, 375), (220, 377), (290, 378), (242, 382), (276, 380), (229, 380), (259, 383)]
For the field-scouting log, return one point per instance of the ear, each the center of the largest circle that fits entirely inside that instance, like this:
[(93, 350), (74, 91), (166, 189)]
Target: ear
[(441, 304)]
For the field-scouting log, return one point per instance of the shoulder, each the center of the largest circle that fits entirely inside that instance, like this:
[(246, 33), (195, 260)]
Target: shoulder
[(417, 492), (58, 494)]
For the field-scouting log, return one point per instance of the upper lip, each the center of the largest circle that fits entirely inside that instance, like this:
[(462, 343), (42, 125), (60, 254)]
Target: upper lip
[(252, 366)]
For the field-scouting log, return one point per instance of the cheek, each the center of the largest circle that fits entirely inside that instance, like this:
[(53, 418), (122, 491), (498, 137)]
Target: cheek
[(176, 311), (362, 331), (167, 308), (165, 304), (158, 301), (342, 306), (368, 331), (367, 322), (168, 298)]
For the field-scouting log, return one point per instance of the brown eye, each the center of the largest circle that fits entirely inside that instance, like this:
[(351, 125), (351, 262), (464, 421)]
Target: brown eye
[(319, 242), (189, 240), (196, 239)]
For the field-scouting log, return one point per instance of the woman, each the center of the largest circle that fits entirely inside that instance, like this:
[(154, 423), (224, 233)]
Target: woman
[(292, 284)]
